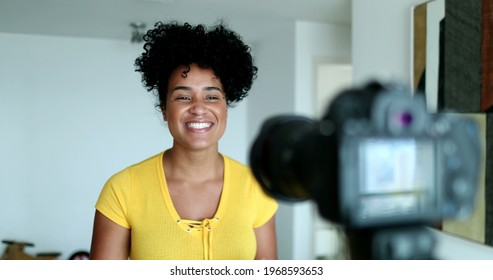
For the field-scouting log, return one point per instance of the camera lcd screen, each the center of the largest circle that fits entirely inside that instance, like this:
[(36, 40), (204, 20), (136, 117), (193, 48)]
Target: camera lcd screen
[(397, 177)]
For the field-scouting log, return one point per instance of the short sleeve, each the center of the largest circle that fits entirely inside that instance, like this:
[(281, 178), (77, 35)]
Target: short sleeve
[(113, 199), (266, 206)]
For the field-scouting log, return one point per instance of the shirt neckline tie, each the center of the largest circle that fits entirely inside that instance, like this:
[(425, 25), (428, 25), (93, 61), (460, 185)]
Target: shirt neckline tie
[(206, 228)]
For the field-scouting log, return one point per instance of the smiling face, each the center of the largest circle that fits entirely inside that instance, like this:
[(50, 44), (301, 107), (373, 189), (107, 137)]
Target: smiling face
[(196, 109)]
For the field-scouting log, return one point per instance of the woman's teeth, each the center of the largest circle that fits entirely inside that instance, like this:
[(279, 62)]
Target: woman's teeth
[(199, 125)]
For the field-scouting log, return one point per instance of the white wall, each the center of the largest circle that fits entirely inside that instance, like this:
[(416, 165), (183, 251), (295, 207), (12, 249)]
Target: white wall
[(381, 32), (72, 113), (317, 43)]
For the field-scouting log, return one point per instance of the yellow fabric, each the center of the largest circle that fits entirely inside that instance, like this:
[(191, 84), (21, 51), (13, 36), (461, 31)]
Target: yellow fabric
[(137, 198)]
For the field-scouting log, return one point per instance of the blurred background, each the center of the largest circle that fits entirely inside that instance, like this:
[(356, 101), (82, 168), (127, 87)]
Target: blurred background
[(73, 111)]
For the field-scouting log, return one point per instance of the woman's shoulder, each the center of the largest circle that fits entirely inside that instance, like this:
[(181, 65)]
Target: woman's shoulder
[(148, 162), (147, 165), (235, 165), (239, 173)]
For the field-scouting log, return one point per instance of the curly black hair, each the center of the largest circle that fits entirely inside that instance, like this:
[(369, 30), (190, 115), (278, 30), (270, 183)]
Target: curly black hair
[(171, 45)]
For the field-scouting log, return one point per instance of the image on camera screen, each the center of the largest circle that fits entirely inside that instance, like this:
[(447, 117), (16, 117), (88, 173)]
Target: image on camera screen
[(397, 177)]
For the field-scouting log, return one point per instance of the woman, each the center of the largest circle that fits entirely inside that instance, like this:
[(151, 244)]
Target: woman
[(190, 201)]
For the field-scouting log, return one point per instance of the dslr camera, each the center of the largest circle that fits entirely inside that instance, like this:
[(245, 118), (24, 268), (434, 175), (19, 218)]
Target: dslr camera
[(378, 164)]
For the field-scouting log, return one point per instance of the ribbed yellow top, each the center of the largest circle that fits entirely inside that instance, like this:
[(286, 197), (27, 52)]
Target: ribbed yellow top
[(137, 198)]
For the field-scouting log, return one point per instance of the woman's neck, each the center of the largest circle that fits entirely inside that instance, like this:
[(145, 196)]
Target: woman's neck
[(186, 165)]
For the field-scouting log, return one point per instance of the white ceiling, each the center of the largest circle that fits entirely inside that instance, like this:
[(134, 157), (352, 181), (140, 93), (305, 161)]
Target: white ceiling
[(111, 18)]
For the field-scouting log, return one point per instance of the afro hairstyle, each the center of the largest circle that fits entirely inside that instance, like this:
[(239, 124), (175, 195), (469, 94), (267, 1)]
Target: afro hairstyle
[(171, 45)]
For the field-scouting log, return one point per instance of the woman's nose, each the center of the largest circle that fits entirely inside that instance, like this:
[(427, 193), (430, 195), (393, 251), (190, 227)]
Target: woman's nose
[(198, 107)]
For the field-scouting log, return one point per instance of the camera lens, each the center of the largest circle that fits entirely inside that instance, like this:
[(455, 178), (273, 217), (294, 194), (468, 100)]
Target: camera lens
[(274, 157)]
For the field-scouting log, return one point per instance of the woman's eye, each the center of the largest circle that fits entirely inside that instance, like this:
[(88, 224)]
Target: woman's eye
[(212, 98), (183, 98)]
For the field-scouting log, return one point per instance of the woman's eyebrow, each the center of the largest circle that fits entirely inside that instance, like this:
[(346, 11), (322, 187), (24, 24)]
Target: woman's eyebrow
[(181, 88), (213, 88)]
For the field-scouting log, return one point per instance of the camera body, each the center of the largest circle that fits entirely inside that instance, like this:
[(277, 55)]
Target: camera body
[(405, 166), (377, 159)]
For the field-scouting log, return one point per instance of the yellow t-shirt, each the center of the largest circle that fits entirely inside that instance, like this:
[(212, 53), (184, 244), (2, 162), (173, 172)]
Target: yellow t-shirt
[(137, 198)]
